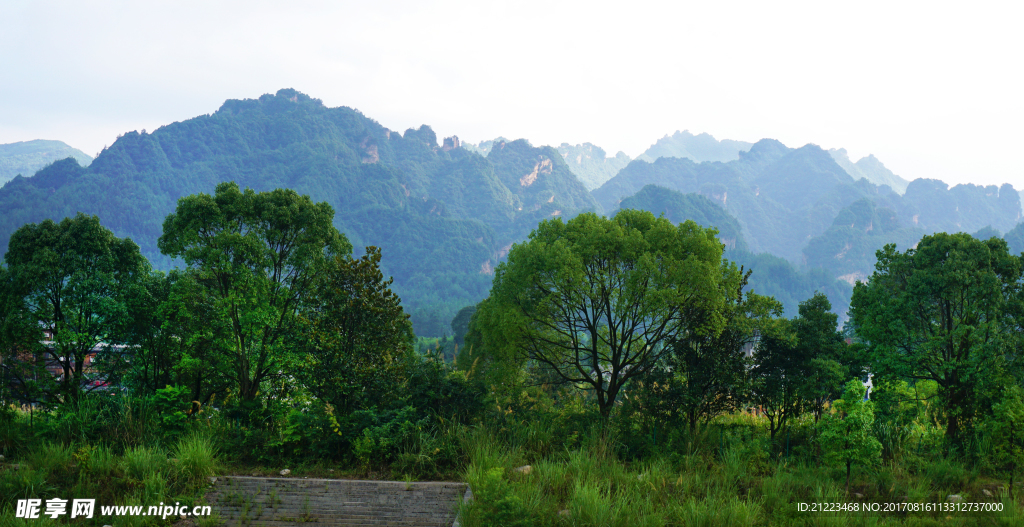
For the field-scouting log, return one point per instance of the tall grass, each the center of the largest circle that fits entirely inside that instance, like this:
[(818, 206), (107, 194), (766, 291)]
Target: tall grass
[(110, 474), (734, 476), (196, 460)]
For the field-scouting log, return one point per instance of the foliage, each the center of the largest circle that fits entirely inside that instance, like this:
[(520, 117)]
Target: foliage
[(595, 299), (359, 338), (778, 375), (1005, 431), (172, 409), (846, 434), (637, 314), (71, 279), (706, 375), (941, 312), (830, 360), (258, 258)]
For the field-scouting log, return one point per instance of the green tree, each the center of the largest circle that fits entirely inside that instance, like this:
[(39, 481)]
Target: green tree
[(1005, 428), (822, 344), (778, 376), (360, 339), (175, 334), (846, 435), (460, 324), (707, 374), (942, 312), (73, 279), (23, 376), (594, 300), (258, 258)]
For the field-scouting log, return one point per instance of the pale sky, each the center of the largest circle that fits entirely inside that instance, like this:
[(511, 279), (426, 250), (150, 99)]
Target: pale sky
[(932, 89)]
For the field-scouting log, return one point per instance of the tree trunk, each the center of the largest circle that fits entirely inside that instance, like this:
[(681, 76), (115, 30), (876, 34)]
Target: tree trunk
[(848, 477)]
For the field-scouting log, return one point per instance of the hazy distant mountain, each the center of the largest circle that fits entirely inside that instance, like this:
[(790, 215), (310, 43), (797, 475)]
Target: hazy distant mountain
[(791, 203), (701, 147), (848, 247), (27, 157), (590, 163), (772, 275), (781, 196), (869, 168), (1015, 239), (483, 147)]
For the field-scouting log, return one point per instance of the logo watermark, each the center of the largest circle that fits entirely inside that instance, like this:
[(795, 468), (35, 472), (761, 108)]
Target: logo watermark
[(86, 508)]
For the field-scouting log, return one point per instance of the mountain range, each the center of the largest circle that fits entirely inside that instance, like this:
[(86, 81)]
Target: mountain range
[(443, 216), (445, 213)]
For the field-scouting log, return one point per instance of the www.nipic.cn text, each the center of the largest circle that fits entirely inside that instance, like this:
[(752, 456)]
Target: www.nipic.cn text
[(86, 508)]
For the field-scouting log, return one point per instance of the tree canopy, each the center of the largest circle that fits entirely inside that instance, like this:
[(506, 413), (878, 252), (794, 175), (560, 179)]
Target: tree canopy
[(943, 312), (595, 299), (72, 279), (257, 258), (359, 338)]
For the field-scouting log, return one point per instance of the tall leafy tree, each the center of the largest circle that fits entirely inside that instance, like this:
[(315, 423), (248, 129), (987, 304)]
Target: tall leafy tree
[(777, 376), (360, 339), (72, 279), (831, 362), (23, 376), (707, 374), (258, 258), (174, 335), (946, 312), (594, 300)]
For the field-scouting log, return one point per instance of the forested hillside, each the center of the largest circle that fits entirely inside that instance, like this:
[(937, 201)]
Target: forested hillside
[(679, 207), (27, 157), (443, 216), (445, 213)]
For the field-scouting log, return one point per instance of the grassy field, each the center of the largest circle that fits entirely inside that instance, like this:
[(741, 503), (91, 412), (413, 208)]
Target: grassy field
[(526, 472)]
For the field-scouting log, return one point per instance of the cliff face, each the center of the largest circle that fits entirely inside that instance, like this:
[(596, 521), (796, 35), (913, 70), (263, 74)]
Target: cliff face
[(591, 164)]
